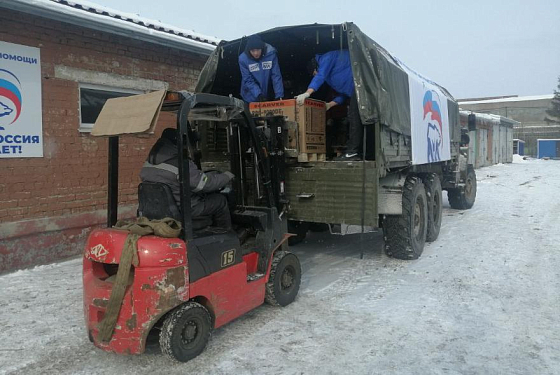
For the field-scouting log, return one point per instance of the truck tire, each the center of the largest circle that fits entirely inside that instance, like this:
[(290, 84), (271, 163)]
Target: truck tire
[(299, 228), (285, 277), (405, 235), (185, 332), (463, 198), (432, 184)]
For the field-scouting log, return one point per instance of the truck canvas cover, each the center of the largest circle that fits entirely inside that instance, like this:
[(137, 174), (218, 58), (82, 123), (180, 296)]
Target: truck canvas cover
[(389, 93)]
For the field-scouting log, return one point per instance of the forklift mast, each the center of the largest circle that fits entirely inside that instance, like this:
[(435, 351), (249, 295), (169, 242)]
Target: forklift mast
[(263, 141), (242, 157)]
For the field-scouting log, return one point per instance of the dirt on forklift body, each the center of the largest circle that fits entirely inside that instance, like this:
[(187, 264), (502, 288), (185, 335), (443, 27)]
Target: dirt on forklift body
[(411, 140), (191, 280)]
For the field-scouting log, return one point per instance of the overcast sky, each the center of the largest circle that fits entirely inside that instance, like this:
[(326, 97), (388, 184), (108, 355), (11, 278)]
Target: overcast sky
[(473, 48)]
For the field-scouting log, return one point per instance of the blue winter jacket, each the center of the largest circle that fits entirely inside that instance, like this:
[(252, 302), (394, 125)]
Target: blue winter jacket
[(257, 74), (334, 68)]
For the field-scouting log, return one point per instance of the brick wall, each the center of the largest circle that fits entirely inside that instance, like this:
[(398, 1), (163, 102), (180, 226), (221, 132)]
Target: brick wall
[(70, 181)]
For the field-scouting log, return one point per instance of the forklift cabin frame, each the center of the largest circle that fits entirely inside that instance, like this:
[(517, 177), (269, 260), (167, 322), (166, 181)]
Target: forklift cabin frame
[(186, 103)]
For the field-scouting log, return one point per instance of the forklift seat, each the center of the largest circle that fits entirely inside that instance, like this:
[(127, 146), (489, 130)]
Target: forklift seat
[(156, 201)]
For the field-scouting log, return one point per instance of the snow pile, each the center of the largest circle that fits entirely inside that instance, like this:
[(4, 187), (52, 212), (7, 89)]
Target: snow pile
[(519, 159)]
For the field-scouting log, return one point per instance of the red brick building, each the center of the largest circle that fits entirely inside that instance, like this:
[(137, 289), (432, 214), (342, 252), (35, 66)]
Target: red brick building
[(49, 204)]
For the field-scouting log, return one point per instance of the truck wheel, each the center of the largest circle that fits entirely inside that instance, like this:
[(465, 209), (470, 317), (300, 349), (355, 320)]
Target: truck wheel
[(463, 198), (299, 228), (285, 278), (433, 194), (185, 332), (405, 235)]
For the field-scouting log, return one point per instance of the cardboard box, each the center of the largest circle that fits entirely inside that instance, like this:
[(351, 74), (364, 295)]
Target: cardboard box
[(129, 115), (310, 117)]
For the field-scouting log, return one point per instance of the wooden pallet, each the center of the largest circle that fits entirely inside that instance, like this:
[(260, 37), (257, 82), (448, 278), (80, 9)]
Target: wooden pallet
[(309, 157)]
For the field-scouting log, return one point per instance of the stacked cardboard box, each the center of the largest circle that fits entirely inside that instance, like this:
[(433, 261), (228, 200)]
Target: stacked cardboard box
[(308, 137)]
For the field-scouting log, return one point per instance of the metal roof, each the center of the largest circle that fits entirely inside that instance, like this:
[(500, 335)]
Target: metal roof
[(510, 99), (489, 116), (90, 15)]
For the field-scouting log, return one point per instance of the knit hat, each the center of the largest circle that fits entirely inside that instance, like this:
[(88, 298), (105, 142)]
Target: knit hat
[(170, 134), (254, 42)]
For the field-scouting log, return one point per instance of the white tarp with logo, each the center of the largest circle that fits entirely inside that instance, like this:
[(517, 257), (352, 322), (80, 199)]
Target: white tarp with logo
[(429, 119), (21, 124)]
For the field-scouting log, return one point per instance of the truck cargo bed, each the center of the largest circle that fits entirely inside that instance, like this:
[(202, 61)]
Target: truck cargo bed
[(331, 192)]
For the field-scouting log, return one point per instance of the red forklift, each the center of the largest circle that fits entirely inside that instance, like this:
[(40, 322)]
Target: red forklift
[(184, 287)]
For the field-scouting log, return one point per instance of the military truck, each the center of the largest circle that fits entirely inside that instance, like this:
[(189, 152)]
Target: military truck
[(411, 142)]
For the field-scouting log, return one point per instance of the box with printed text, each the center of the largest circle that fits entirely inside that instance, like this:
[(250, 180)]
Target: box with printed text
[(309, 135)]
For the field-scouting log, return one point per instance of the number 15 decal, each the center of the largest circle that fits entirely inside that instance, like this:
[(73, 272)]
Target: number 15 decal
[(228, 257)]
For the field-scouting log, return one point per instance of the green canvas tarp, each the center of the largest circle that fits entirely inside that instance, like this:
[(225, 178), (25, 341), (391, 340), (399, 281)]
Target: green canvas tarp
[(381, 81)]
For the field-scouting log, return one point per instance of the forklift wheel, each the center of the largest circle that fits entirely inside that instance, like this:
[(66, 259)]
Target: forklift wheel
[(185, 332), (285, 277)]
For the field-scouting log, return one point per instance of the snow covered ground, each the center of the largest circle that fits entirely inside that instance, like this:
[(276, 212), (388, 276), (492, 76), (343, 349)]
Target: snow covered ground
[(483, 299)]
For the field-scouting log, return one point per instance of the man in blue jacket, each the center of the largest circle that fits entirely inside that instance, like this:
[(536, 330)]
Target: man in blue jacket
[(261, 79), (334, 68)]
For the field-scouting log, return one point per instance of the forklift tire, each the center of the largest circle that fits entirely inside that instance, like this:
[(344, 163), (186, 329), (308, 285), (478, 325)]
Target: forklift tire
[(285, 277), (185, 332), (299, 228), (433, 193), (463, 198), (405, 235)]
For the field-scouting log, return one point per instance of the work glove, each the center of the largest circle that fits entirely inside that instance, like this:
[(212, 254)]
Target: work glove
[(230, 175), (331, 104), (301, 98)]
